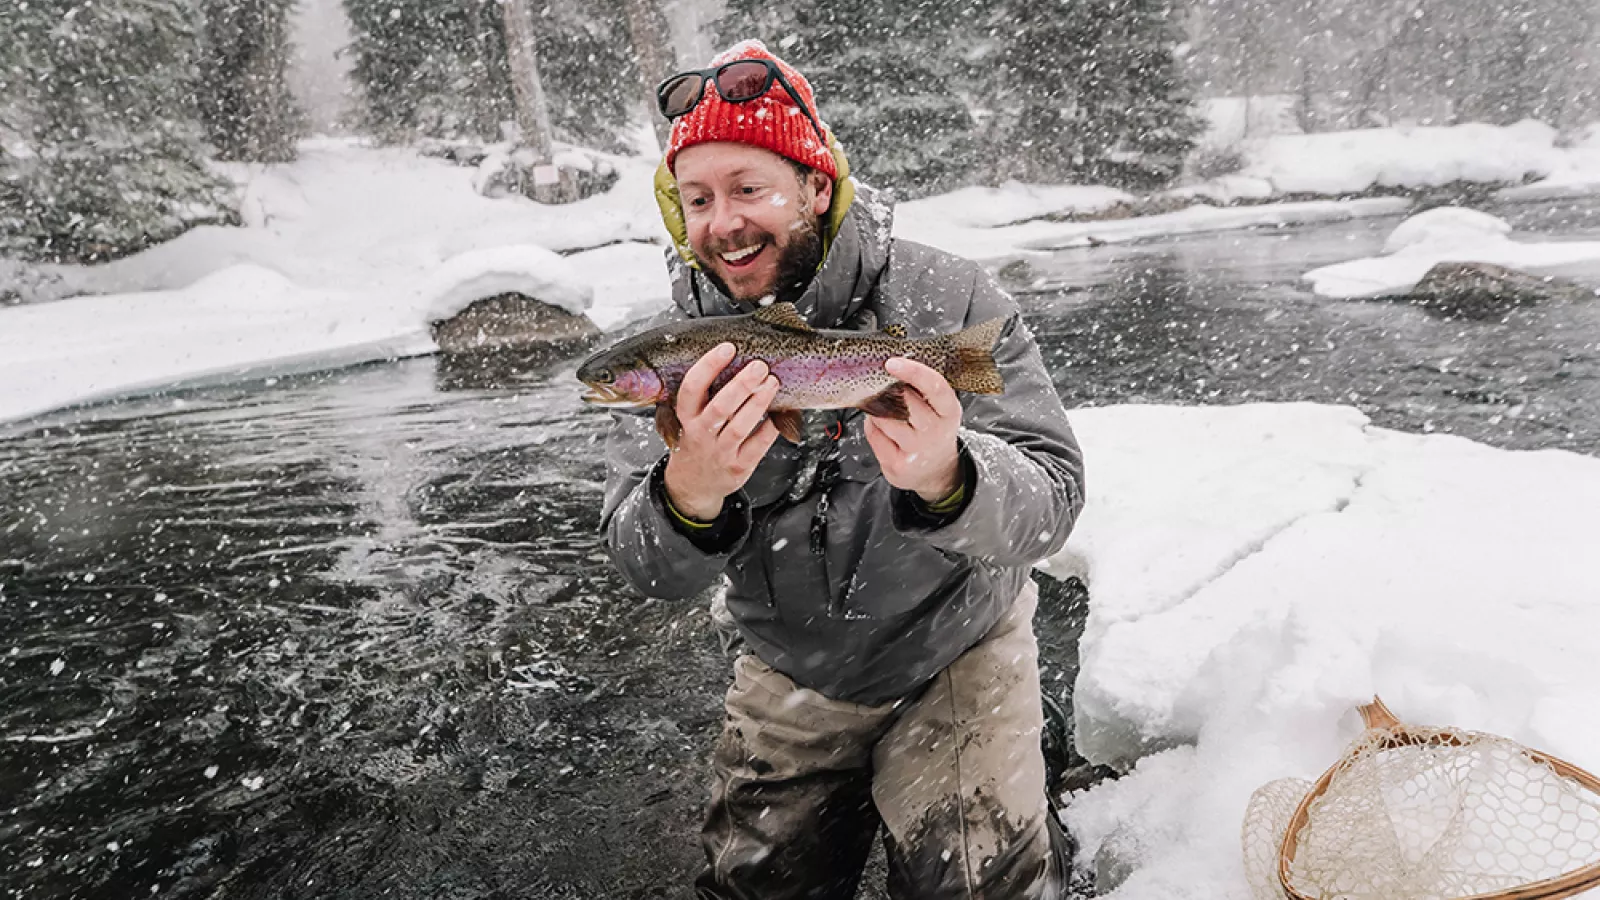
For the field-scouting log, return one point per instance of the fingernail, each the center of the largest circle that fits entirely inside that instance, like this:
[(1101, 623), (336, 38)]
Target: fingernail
[(727, 350)]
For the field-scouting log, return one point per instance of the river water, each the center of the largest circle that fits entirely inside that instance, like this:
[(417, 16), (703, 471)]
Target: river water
[(353, 634)]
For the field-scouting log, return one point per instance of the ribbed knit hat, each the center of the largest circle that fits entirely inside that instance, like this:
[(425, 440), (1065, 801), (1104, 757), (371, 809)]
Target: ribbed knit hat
[(771, 121)]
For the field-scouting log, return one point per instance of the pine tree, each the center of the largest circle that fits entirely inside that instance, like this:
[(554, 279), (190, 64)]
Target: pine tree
[(1091, 91), (886, 78), (244, 98), (105, 155), (439, 68)]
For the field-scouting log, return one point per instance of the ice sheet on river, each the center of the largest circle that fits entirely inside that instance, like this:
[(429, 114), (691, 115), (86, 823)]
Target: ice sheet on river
[(1256, 571)]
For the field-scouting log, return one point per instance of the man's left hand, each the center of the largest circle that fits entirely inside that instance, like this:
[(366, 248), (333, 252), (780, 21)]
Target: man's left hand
[(920, 454)]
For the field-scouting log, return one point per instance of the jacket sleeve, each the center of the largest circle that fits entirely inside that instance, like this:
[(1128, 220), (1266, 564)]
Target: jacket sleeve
[(1023, 465), (652, 553)]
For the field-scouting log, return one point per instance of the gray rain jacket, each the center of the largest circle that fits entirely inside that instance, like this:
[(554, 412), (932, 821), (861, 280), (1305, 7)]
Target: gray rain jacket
[(864, 602)]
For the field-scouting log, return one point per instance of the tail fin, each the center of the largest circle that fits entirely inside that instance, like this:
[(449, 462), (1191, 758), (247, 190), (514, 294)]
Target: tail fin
[(975, 370)]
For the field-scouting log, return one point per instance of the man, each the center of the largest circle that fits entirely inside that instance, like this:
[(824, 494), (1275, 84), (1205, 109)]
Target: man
[(878, 572)]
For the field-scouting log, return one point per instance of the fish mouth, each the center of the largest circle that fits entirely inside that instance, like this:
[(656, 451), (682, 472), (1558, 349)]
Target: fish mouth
[(606, 395)]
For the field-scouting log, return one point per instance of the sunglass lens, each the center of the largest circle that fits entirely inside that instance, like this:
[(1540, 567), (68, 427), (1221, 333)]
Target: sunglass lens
[(679, 95), (742, 81)]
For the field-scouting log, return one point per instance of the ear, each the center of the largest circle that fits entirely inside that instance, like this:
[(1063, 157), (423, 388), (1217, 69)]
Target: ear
[(822, 196)]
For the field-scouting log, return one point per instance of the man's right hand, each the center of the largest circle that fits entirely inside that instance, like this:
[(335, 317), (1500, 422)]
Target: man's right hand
[(724, 437)]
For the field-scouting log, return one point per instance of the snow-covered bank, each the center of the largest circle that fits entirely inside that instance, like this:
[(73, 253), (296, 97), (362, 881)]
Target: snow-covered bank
[(1257, 571), (1349, 162), (1046, 236), (1446, 234), (347, 256), (353, 233), (378, 219)]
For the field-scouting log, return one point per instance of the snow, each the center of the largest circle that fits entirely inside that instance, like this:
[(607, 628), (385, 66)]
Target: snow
[(1348, 162), (1446, 234), (1013, 201), (347, 254), (242, 321), (524, 269), (1230, 120), (1258, 571), (1037, 236)]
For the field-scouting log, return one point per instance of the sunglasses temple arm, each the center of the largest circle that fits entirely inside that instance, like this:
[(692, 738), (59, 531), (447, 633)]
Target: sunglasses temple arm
[(795, 96)]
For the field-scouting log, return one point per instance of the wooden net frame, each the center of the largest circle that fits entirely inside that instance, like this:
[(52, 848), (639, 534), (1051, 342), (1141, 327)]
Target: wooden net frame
[(1388, 732)]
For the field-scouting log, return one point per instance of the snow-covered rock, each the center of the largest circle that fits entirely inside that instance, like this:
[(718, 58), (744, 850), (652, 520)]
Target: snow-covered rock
[(1446, 226), (524, 269), (1442, 235)]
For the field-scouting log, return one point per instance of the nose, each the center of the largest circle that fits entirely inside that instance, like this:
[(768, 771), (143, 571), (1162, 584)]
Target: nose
[(726, 221)]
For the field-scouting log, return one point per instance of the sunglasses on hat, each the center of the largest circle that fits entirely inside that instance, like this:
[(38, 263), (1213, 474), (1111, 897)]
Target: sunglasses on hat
[(739, 81)]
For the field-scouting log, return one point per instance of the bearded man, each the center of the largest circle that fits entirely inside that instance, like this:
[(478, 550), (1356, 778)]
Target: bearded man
[(878, 573)]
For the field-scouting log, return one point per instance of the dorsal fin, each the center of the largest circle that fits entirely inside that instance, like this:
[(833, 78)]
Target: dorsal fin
[(783, 315), (896, 330)]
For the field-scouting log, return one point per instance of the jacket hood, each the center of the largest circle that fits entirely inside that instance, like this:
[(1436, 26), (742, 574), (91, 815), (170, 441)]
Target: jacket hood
[(855, 247)]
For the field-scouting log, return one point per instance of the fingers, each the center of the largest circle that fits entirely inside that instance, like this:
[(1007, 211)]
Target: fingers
[(697, 381), (755, 446), (929, 383), (902, 434), (733, 395), (919, 413), (751, 414), (883, 445)]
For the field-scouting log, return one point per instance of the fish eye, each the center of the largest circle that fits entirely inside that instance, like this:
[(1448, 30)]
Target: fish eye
[(605, 376)]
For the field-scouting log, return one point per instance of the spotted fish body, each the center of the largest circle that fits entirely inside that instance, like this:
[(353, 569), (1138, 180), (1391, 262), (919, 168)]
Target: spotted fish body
[(815, 368)]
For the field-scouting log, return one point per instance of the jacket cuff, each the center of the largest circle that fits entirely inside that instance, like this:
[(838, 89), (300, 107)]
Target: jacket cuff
[(718, 537), (912, 513)]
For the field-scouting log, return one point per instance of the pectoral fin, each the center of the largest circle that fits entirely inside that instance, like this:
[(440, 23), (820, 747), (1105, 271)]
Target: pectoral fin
[(787, 422), (889, 403), (667, 424)]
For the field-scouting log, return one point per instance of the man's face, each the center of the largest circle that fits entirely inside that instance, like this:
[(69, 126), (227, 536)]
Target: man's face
[(752, 223)]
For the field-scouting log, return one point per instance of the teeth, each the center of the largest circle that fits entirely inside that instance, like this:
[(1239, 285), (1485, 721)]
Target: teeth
[(744, 254)]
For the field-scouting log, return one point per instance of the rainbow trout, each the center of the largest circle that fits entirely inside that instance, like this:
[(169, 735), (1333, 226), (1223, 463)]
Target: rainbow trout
[(815, 368)]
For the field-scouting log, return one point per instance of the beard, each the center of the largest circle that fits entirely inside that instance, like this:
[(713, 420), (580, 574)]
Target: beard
[(798, 261)]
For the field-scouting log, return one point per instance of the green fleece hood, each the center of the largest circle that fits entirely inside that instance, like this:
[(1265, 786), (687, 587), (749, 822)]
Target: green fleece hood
[(671, 204)]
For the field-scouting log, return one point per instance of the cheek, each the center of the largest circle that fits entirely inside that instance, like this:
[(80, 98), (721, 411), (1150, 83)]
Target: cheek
[(642, 386)]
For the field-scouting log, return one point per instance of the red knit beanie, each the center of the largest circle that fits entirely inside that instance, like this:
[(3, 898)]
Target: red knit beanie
[(771, 121)]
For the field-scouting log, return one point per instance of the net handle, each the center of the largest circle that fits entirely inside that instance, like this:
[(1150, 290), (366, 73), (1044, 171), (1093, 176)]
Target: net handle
[(1379, 718)]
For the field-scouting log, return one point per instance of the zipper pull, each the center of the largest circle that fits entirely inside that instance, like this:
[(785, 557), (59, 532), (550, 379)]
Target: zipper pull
[(819, 526)]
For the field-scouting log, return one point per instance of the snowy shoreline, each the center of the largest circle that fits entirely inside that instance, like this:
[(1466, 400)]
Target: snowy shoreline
[(1286, 564), (350, 252)]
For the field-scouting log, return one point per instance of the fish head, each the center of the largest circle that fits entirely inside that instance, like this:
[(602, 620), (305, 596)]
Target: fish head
[(620, 376)]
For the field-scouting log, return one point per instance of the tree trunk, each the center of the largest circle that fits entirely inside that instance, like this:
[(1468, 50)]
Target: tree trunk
[(647, 30), (533, 110)]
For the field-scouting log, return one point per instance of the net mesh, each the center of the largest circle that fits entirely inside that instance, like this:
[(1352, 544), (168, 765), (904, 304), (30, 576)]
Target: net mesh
[(1449, 814)]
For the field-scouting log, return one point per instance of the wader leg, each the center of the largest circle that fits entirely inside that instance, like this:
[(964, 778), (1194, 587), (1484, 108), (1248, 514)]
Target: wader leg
[(791, 812), (960, 778)]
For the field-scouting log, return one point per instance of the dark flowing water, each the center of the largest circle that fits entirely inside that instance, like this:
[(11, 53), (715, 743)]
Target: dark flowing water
[(353, 634)]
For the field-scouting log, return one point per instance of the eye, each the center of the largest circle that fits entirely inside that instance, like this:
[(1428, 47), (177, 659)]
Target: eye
[(749, 189), (606, 376), (698, 202)]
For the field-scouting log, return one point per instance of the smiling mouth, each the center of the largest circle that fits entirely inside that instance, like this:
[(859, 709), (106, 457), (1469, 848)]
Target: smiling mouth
[(741, 258)]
